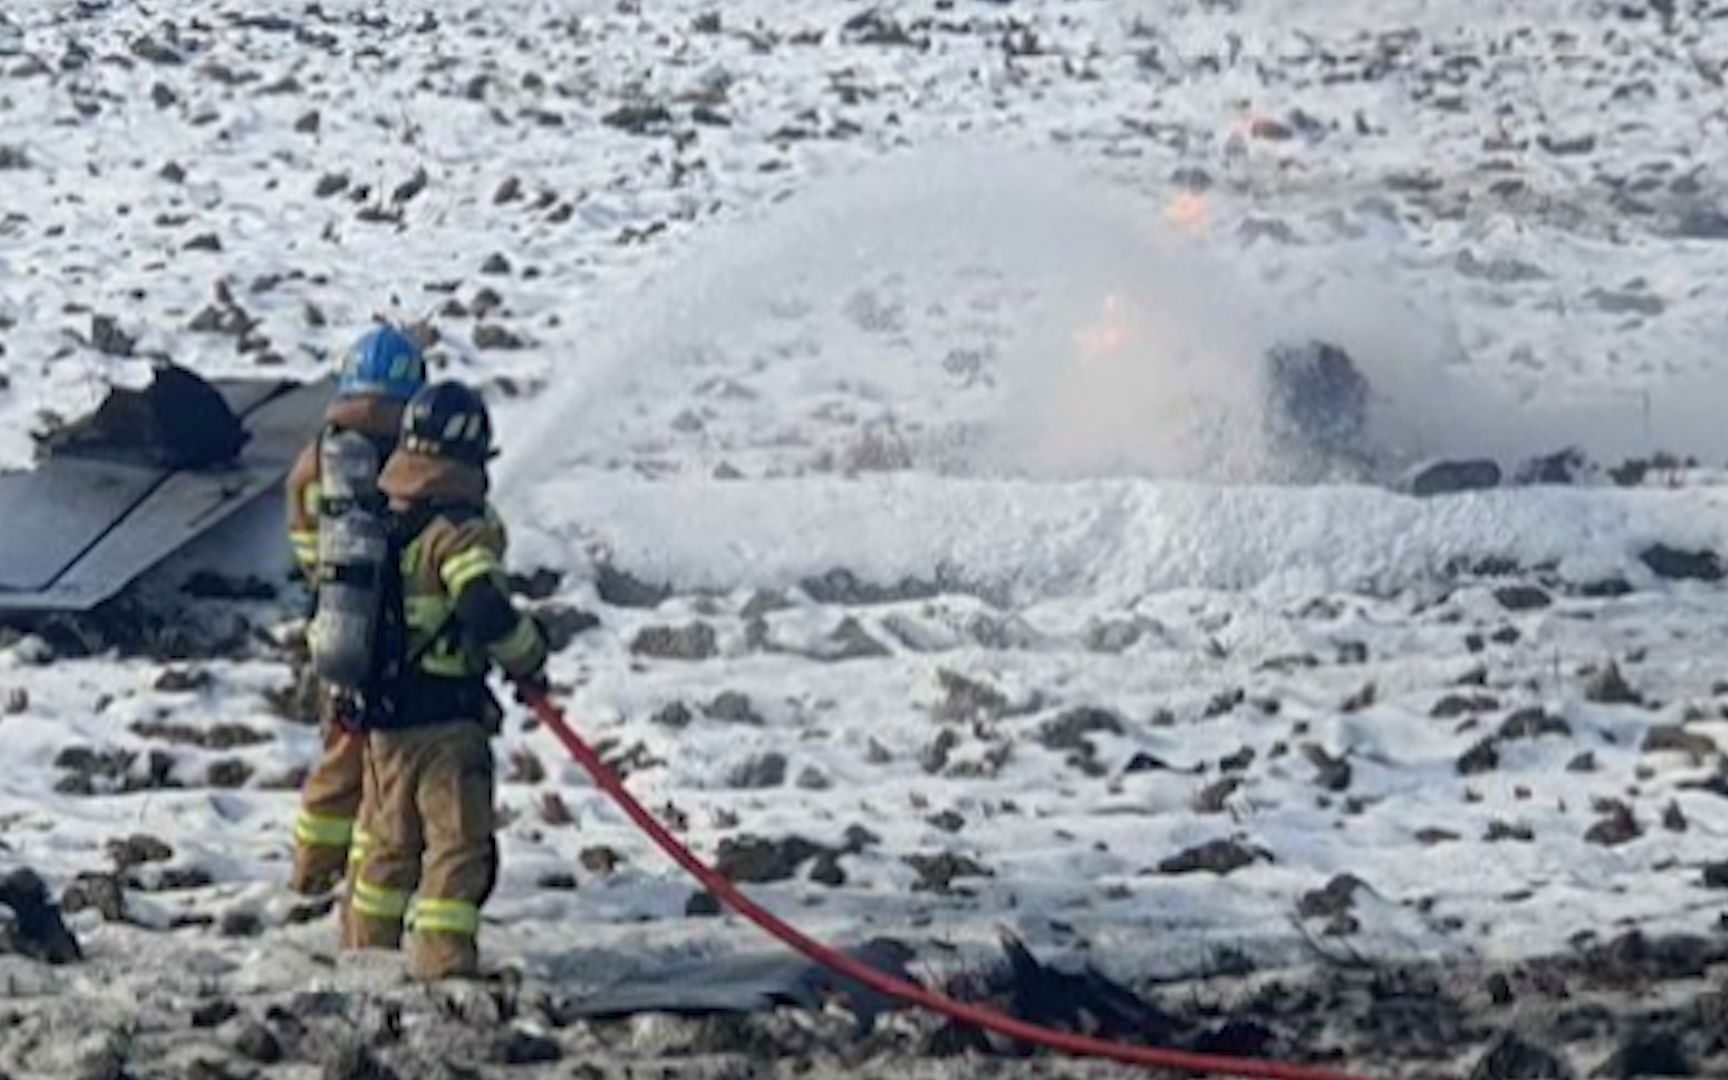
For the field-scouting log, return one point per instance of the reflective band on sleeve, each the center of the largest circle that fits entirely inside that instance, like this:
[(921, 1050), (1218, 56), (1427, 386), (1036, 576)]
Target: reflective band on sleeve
[(323, 830), (518, 645), (378, 902), (445, 916), (459, 571), (311, 498)]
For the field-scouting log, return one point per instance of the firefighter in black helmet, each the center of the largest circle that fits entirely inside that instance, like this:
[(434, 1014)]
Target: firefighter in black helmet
[(429, 782)]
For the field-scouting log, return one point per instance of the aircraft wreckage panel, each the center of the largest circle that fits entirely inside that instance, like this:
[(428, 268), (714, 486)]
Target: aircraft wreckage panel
[(80, 530)]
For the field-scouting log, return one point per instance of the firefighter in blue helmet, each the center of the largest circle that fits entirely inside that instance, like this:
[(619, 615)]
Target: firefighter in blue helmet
[(380, 372), (432, 858)]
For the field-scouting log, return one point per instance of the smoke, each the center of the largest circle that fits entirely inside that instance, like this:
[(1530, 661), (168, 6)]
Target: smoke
[(1111, 333)]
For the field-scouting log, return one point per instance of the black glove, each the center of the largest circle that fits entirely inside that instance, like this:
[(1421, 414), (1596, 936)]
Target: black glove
[(532, 687)]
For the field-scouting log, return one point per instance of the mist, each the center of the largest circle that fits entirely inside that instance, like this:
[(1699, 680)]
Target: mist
[(1120, 342)]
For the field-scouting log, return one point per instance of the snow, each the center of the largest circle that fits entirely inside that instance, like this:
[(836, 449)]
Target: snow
[(977, 323)]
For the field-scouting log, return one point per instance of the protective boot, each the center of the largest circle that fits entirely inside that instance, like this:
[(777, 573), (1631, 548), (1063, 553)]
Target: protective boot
[(434, 955)]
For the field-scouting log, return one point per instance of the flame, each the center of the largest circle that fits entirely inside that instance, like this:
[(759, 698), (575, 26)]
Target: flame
[(1188, 211), (1106, 337)]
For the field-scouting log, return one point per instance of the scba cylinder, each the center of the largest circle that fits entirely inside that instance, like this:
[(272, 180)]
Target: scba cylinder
[(353, 544)]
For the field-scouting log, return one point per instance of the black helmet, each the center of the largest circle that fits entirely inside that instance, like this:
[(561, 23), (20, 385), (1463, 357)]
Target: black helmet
[(448, 420)]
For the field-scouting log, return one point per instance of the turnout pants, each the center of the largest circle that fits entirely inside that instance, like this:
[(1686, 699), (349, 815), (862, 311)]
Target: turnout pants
[(432, 860), (326, 840)]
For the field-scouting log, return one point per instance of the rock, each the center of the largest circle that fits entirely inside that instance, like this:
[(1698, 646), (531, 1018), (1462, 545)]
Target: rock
[(1455, 706), (1672, 738), (850, 641), (1453, 477), (508, 192), (1716, 875), (1333, 774), (1533, 724), (308, 123), (702, 905), (240, 923), (563, 624), (1645, 1053), (518, 1047), (1511, 1058), (937, 873), (691, 643), (1608, 687), (1567, 147), (411, 188), (353, 1061), (828, 871), (1214, 798), (1626, 303), (933, 757), (1337, 898), (495, 264), (330, 184), (1068, 731), (600, 860), (1500, 270), (731, 707), (639, 119), (1583, 763), (676, 716), (1675, 565), (1559, 469), (256, 1043), (1674, 818), (137, 850), (759, 772), (1522, 598), (228, 773), (163, 97), (755, 860), (494, 336), (810, 778), (1221, 857), (102, 893), (966, 700), (183, 681), (16, 702), (622, 589), (214, 1013), (1499, 831), (1703, 223), (36, 929), (557, 881), (203, 242), (1481, 758), (107, 338), (1618, 827)]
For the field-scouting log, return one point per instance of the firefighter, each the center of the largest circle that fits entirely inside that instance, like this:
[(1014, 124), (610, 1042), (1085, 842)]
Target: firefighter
[(429, 772), (380, 372)]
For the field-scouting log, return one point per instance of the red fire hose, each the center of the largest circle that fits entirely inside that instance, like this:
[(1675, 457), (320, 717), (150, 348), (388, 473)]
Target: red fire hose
[(900, 989)]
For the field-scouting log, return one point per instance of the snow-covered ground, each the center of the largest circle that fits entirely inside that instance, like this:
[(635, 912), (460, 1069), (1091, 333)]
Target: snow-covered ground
[(887, 379)]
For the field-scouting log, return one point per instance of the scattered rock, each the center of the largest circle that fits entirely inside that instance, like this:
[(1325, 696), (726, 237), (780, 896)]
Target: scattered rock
[(702, 905), (850, 641), (563, 624), (933, 758), (1533, 723), (353, 1061), (1333, 774), (1068, 731), (1645, 1053), (755, 860), (1511, 1058), (1453, 477), (1481, 758), (1716, 875), (966, 700), (1583, 763), (1608, 687), (1214, 797), (1674, 818), (1499, 831), (1675, 565), (204, 242), (1618, 827), (330, 184), (694, 642), (137, 850), (518, 1047), (810, 778), (1337, 898), (1522, 597), (16, 702), (1456, 706), (676, 716), (1673, 738), (639, 119), (1221, 857), (761, 771), (183, 681), (102, 893), (495, 264), (731, 707), (937, 873), (256, 1043), (495, 336)]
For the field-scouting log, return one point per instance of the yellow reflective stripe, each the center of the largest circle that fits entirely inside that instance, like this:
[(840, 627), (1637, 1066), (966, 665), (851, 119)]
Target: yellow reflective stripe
[(459, 571), (519, 644), (323, 830), (311, 499), (445, 916), (379, 902), (359, 848), (452, 665)]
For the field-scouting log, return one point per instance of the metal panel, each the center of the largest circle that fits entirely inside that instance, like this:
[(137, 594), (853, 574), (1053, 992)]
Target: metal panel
[(107, 524), (49, 517)]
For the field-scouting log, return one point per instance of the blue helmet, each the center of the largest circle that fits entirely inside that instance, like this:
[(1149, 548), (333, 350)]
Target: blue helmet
[(385, 363)]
